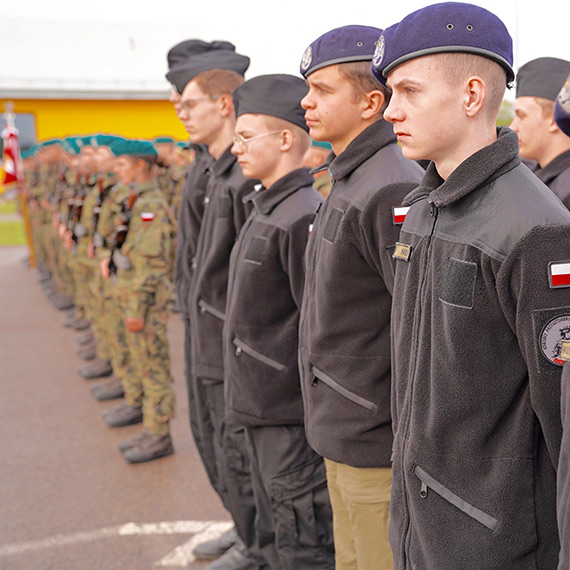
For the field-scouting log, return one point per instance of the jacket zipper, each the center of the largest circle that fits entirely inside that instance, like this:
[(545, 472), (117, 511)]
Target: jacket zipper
[(242, 347), (413, 358)]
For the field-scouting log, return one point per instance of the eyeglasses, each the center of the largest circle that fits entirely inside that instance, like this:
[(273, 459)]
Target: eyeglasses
[(241, 142), (190, 104)]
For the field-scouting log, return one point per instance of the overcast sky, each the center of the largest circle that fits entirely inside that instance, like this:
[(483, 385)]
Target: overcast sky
[(275, 34)]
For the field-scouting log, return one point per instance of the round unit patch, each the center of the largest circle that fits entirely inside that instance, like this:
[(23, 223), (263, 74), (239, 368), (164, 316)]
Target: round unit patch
[(307, 58), (553, 334)]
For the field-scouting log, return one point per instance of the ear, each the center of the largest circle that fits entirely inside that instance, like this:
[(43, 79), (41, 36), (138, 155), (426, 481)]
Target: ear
[(475, 96), (552, 126), (374, 100), (286, 140), (226, 105)]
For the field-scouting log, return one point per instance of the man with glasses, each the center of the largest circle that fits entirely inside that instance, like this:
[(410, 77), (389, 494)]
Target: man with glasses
[(265, 291), (195, 67)]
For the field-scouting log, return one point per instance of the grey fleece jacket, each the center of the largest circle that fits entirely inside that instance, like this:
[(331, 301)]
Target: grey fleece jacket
[(344, 334), (476, 374)]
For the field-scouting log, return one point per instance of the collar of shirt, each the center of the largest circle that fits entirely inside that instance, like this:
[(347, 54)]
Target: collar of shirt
[(479, 169), (367, 143), (265, 199), (554, 168)]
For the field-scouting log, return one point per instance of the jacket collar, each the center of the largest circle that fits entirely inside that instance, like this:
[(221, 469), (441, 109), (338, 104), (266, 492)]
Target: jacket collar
[(554, 168), (368, 142), (264, 200), (479, 169), (144, 187), (224, 163)]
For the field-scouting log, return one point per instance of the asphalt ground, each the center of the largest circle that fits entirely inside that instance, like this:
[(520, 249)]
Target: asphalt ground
[(68, 499)]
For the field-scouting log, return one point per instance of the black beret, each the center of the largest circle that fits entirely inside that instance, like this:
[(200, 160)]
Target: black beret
[(180, 75), (542, 77), (341, 45), (180, 53), (562, 108), (449, 27), (275, 95)]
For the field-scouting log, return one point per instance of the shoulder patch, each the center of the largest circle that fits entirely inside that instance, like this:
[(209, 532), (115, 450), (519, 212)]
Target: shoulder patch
[(399, 214), (147, 216), (553, 334), (559, 274)]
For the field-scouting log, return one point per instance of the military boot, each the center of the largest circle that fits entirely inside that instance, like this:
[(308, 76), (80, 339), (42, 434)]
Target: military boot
[(61, 301), (110, 390), (123, 415), (148, 447), (88, 351), (96, 369), (235, 558), (81, 324), (85, 337), (212, 549)]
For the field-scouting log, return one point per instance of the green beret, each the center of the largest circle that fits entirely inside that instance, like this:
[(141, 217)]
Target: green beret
[(163, 140), (322, 144), (29, 152), (50, 142), (133, 147), (105, 140)]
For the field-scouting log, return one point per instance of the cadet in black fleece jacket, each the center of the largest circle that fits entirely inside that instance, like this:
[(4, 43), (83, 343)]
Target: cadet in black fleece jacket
[(481, 305), (344, 336)]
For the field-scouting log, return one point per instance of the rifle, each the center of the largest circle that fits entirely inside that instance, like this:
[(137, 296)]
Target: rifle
[(122, 227)]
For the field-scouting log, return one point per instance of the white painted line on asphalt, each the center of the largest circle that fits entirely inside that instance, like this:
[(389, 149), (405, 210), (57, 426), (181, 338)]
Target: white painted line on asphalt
[(129, 529), (182, 555)]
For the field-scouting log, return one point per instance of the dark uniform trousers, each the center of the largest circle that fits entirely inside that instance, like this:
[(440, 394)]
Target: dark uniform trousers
[(292, 499)]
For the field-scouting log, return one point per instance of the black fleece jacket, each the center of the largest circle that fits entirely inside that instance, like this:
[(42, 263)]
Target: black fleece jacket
[(345, 317), (476, 377)]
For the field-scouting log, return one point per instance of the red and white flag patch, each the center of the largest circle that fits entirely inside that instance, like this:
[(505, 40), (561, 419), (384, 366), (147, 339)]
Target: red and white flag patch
[(147, 216), (400, 214), (559, 274)]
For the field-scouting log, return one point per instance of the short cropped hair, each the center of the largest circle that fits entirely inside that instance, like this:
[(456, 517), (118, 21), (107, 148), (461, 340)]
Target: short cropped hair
[(302, 140), (546, 105), (459, 66), (359, 75), (215, 82)]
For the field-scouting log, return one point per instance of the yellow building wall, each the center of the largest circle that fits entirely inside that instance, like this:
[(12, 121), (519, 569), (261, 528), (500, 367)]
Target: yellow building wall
[(57, 118)]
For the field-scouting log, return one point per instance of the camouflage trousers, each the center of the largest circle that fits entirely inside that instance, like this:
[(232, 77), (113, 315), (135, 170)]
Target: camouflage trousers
[(150, 382)]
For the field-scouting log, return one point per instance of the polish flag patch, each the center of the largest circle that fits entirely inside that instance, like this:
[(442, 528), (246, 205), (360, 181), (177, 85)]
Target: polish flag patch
[(559, 274), (400, 214), (147, 216)]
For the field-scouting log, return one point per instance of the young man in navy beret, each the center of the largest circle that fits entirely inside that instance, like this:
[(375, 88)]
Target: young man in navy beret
[(345, 317), (481, 304), (540, 138), (562, 118), (262, 389)]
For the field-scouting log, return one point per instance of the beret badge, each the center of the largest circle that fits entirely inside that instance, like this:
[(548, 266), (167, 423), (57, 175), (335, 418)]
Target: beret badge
[(379, 52), (307, 58)]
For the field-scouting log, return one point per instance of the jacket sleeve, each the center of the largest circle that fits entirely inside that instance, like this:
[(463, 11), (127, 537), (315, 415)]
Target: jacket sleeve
[(152, 256), (532, 308), (293, 244)]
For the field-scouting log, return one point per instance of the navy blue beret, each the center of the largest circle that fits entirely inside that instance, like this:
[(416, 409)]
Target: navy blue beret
[(562, 108), (341, 45), (444, 28), (542, 77), (216, 58), (180, 53), (275, 95)]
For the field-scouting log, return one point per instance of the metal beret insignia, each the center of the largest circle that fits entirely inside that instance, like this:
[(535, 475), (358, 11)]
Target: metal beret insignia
[(379, 52), (307, 58)]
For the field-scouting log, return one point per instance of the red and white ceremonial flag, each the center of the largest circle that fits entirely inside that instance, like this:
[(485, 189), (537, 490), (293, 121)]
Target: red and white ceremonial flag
[(11, 155), (559, 274)]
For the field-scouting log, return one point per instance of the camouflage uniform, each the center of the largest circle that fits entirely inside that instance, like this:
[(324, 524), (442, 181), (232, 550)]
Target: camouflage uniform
[(145, 291)]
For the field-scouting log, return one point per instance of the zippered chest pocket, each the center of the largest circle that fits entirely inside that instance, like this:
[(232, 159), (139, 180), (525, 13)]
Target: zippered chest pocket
[(427, 483)]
